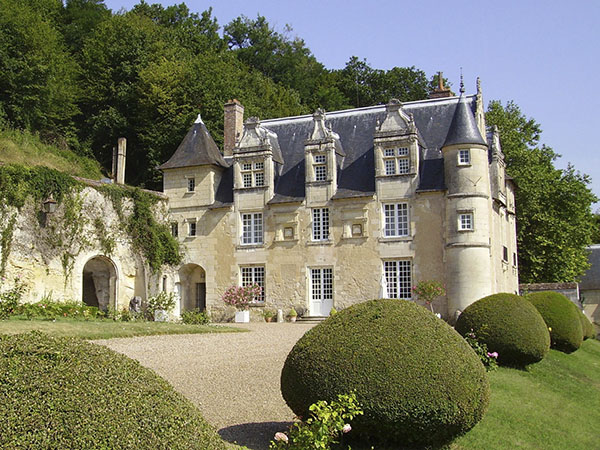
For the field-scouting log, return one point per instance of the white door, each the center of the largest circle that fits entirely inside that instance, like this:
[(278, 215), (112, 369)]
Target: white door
[(321, 291)]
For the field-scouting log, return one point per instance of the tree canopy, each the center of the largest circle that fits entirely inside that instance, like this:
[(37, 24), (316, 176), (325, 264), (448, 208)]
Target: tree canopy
[(554, 219)]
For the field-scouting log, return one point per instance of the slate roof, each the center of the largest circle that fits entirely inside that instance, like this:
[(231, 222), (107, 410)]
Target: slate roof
[(463, 129), (356, 128), (591, 279), (197, 149)]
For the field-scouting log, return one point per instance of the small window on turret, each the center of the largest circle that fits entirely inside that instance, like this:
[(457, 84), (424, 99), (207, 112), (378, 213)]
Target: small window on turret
[(464, 157), (465, 222)]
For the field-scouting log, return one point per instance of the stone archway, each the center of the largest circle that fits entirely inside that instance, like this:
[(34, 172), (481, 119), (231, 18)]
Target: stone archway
[(99, 283), (192, 287)]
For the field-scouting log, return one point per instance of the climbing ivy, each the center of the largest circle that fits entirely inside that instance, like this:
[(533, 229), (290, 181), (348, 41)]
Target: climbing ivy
[(151, 238)]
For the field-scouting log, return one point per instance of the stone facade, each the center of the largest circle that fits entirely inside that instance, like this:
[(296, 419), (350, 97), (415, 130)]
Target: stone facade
[(333, 209), (589, 287)]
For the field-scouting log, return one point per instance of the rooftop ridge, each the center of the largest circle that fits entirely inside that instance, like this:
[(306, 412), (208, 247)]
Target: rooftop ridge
[(374, 109)]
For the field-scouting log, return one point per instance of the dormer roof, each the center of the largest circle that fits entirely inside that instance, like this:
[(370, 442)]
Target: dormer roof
[(197, 149), (258, 138), (463, 128)]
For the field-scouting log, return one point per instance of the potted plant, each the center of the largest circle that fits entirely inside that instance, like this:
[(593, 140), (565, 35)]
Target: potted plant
[(240, 297), (268, 314), (161, 305), (292, 315), (428, 291)]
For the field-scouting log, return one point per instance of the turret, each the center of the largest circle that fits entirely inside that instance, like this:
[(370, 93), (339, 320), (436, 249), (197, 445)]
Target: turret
[(468, 206)]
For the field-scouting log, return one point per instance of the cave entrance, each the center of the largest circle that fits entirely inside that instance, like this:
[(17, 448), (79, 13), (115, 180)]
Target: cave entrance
[(99, 283)]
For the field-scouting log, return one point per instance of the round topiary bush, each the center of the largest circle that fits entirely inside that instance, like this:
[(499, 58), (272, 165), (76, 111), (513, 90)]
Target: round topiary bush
[(70, 394), (561, 317), (587, 327), (509, 325), (417, 381)]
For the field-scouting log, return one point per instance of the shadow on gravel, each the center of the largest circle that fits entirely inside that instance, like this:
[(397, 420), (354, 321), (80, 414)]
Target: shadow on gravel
[(255, 436)]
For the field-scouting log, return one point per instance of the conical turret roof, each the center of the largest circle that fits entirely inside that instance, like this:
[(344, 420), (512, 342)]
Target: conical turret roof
[(463, 129), (197, 149)]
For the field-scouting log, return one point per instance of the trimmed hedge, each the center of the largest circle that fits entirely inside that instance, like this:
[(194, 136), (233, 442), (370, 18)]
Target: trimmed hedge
[(70, 394), (587, 327), (417, 381), (562, 317), (507, 324)]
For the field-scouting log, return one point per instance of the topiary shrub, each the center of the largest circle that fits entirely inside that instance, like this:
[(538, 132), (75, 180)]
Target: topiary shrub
[(561, 317), (70, 394), (587, 327), (417, 381), (509, 325)]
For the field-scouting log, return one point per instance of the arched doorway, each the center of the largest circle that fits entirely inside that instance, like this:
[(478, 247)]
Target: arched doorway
[(192, 287), (99, 283)]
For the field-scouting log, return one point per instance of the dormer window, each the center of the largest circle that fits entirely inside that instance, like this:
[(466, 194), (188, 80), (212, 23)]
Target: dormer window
[(320, 165), (396, 161), (253, 174), (464, 157)]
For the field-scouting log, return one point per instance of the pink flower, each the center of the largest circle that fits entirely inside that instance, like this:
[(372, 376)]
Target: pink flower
[(279, 436), (346, 428), (493, 354)]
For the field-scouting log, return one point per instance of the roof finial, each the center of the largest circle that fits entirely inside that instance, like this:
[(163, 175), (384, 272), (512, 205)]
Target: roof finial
[(462, 84)]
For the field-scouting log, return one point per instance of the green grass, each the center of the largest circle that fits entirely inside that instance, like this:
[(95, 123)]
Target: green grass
[(105, 329), (554, 404), (25, 148)]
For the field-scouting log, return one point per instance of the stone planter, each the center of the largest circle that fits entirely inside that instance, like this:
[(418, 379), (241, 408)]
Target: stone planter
[(242, 316), (160, 315), (292, 318)]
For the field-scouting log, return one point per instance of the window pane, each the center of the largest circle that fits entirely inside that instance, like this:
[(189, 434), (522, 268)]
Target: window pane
[(403, 165), (191, 184), (258, 229), (259, 166), (402, 219), (390, 220), (464, 157), (246, 228), (259, 179), (320, 159), (327, 284), (389, 152), (404, 279), (320, 173), (247, 166), (403, 151), (391, 277), (398, 278), (247, 177), (316, 283), (390, 167)]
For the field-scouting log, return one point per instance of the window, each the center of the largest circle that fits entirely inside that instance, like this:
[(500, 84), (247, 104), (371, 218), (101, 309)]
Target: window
[(320, 165), (514, 259), (252, 228), (191, 184), (504, 254), (398, 277), (254, 275), (253, 174), (396, 161), (465, 221), (321, 283), (464, 157), (174, 229), (192, 229), (320, 224), (396, 220)]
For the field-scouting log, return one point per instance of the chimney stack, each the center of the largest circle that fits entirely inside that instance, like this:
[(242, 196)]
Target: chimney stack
[(233, 126), (440, 91), (122, 149)]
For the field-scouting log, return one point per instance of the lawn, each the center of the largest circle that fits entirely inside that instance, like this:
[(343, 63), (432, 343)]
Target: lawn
[(554, 404), (105, 329)]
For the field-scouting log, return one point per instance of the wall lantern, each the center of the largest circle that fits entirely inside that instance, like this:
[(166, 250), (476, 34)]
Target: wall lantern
[(49, 205)]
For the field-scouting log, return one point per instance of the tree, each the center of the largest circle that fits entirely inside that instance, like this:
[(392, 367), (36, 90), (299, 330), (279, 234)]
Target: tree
[(554, 219), (596, 232)]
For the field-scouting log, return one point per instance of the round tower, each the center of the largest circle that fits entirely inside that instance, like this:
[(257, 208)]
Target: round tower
[(468, 210)]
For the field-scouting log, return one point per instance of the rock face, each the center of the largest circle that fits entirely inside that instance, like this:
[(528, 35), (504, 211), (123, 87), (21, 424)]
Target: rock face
[(417, 380), (80, 252)]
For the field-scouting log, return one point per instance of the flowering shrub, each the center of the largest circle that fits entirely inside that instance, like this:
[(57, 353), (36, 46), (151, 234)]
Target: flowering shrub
[(10, 298), (50, 309), (428, 291), (325, 424), (489, 359), (162, 301), (242, 296)]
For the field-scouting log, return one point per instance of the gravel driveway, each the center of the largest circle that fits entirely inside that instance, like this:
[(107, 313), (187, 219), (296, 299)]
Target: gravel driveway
[(232, 377)]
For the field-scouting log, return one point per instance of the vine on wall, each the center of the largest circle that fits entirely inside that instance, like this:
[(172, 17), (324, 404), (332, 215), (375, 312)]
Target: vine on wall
[(66, 232)]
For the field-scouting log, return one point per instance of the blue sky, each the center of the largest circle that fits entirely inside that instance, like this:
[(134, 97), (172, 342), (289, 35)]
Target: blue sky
[(544, 55)]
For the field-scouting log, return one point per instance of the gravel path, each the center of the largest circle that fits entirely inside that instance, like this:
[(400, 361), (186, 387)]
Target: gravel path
[(232, 377)]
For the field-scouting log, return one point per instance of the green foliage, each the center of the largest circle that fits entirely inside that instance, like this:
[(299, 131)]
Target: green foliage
[(587, 327), (195, 317), (428, 291), (71, 394), (50, 309), (161, 302), (596, 228), (10, 298), (509, 325), (554, 219), (488, 359), (321, 430), (561, 317), (400, 360)]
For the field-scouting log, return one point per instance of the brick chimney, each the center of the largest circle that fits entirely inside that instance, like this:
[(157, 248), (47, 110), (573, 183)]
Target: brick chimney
[(440, 91), (233, 126)]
